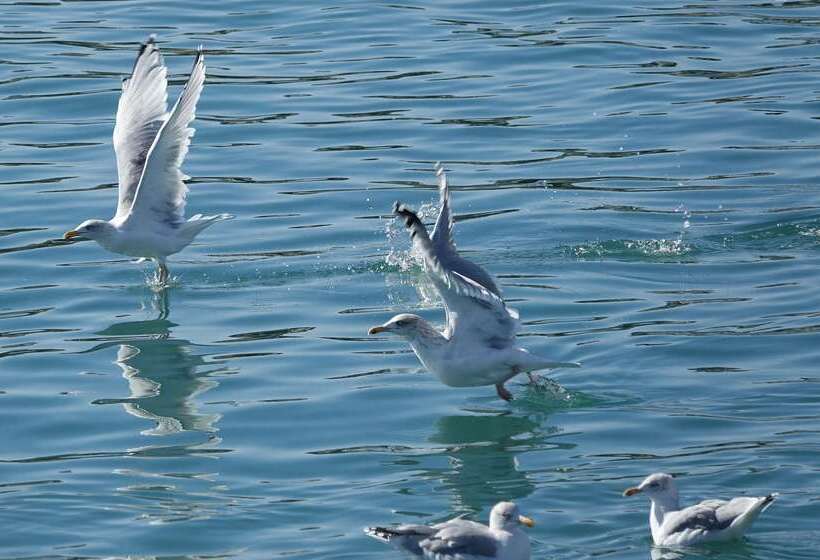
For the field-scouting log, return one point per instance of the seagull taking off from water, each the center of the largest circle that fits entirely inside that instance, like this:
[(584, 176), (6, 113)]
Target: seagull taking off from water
[(708, 521), (460, 539), (477, 346), (150, 143)]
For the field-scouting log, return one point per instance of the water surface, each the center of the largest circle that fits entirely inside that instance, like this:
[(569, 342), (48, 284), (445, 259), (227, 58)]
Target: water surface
[(640, 178)]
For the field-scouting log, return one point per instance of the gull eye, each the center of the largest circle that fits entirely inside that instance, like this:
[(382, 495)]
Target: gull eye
[(402, 323)]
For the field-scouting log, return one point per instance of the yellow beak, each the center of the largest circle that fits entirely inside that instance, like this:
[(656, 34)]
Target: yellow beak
[(631, 491), (524, 520), (71, 234), (376, 330)]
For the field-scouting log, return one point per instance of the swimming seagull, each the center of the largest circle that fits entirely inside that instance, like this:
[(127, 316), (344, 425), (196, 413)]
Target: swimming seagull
[(459, 539), (477, 346), (150, 143), (708, 521)]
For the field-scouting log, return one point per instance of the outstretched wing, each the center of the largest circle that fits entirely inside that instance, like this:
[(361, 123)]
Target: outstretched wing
[(473, 309), (444, 245), (460, 538), (141, 111), (443, 233), (161, 192)]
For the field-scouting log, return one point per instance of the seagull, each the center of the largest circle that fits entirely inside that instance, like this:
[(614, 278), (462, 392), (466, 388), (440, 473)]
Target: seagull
[(460, 539), (150, 143), (477, 346), (708, 521)]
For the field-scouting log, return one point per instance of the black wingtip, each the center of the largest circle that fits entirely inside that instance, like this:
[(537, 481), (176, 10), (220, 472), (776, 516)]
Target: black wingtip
[(149, 45), (403, 211), (151, 42), (381, 533), (407, 215)]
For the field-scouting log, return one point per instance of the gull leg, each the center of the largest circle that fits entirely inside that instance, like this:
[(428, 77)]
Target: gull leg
[(503, 392), (163, 273)]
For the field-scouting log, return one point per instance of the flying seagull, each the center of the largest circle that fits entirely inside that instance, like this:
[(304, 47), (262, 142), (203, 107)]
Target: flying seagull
[(478, 345), (708, 521), (150, 143), (459, 539)]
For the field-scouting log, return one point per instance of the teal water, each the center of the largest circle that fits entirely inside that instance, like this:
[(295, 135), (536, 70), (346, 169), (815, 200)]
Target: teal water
[(642, 180)]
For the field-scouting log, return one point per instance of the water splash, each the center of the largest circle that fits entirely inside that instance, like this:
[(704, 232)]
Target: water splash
[(402, 256), (401, 253), (153, 281), (628, 249), (661, 249)]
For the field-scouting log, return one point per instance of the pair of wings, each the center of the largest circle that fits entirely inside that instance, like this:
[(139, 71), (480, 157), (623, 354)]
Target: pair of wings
[(472, 301), (150, 142)]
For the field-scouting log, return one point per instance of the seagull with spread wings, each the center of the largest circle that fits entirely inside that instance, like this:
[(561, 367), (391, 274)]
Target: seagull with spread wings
[(478, 345), (708, 521), (150, 143)]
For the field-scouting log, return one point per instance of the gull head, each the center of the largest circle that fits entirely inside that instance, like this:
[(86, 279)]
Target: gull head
[(98, 230), (655, 486), (405, 325), (505, 515)]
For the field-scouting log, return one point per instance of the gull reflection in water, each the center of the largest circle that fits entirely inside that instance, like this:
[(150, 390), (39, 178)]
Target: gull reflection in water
[(483, 452), (164, 375)]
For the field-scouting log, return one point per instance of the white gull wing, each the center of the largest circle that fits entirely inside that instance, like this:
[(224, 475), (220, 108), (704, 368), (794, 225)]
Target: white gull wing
[(473, 311), (443, 233), (713, 519), (161, 192), (140, 113), (445, 247)]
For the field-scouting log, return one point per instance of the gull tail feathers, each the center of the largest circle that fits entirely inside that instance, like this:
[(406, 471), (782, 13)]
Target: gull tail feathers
[(745, 520), (526, 361), (406, 537), (195, 224)]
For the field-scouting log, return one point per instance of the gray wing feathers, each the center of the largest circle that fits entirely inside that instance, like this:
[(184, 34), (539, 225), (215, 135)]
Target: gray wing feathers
[(699, 517), (443, 244), (461, 537), (717, 515), (161, 190), (141, 111)]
